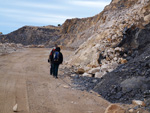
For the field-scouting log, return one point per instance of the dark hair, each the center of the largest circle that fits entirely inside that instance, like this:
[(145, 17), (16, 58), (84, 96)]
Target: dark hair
[(57, 49)]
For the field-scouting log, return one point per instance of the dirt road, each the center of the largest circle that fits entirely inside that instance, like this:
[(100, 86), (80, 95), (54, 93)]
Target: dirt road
[(25, 80)]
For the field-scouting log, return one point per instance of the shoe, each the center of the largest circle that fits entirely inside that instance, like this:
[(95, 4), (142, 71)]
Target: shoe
[(56, 77)]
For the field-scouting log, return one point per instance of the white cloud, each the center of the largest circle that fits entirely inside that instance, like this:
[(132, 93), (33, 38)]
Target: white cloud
[(33, 17), (38, 5), (7, 11), (94, 4)]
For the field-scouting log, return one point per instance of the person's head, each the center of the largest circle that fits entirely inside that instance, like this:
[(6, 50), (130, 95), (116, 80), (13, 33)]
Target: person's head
[(57, 49)]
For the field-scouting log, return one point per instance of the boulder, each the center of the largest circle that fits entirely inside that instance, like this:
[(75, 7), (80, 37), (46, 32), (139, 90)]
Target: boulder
[(110, 70), (99, 74), (131, 110), (138, 102), (15, 108), (110, 50), (87, 75), (91, 66), (104, 67), (147, 18), (114, 108), (123, 61), (133, 83), (114, 65), (80, 71), (73, 75), (94, 70), (66, 86), (115, 58), (87, 68), (118, 49)]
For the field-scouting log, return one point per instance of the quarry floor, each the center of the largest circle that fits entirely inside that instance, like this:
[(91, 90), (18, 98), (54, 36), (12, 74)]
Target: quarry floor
[(25, 80)]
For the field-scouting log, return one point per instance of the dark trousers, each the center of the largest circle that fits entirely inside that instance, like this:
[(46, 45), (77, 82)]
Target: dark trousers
[(55, 69), (51, 70)]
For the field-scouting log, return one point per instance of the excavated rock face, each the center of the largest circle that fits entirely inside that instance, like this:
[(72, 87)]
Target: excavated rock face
[(125, 72), (107, 32), (75, 26)]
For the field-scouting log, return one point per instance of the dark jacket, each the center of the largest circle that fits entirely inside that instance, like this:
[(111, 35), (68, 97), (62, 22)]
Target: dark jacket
[(60, 56)]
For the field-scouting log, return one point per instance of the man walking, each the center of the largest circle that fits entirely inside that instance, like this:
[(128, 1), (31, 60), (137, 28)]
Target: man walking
[(49, 60), (56, 59)]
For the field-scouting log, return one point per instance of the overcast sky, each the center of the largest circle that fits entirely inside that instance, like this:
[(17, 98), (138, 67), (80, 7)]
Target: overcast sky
[(17, 13)]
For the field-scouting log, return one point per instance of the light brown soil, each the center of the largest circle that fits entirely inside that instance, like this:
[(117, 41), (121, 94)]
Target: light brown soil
[(25, 80)]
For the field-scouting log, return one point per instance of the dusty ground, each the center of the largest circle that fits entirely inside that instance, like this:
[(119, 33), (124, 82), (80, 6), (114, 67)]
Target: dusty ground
[(25, 80)]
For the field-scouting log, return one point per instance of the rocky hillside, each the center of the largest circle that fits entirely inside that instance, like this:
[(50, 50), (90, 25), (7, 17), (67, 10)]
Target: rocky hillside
[(107, 32), (124, 74), (29, 35), (71, 34), (121, 81)]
